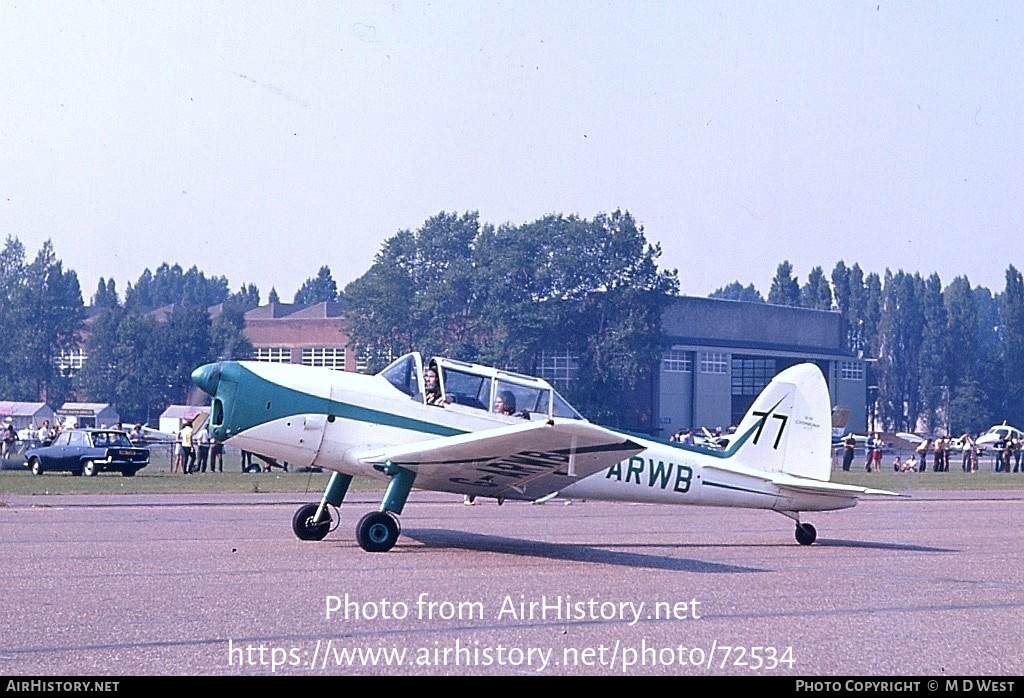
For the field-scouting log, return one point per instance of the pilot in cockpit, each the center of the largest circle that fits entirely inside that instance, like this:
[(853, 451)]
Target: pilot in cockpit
[(432, 388)]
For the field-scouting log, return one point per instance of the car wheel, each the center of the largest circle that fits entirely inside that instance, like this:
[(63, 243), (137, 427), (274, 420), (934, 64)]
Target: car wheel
[(36, 466), (89, 469), (128, 473)]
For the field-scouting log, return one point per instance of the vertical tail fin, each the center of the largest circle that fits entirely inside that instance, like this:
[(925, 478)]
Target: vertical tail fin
[(788, 429)]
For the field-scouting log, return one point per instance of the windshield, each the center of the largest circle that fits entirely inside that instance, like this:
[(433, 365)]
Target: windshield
[(404, 374), (104, 439)]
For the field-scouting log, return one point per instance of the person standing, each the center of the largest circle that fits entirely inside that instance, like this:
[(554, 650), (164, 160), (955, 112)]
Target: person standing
[(188, 452), (849, 446), (202, 439), (9, 438), (873, 452), (922, 453), (216, 456)]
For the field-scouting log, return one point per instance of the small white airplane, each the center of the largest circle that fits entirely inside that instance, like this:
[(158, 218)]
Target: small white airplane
[(998, 433), (439, 427)]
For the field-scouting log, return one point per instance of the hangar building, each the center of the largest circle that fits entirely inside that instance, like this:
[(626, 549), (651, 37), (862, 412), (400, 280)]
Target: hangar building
[(724, 352)]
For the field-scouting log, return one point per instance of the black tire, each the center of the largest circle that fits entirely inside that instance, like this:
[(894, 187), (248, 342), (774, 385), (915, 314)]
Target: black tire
[(378, 531), (36, 466), (805, 534), (130, 472), (89, 468), (253, 468), (304, 527)]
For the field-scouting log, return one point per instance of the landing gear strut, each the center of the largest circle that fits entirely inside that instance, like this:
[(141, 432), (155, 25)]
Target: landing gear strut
[(378, 531)]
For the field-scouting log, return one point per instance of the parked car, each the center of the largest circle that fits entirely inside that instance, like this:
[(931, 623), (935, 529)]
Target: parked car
[(88, 452)]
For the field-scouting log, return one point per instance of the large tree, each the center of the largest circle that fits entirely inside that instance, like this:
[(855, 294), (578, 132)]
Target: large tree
[(47, 315), (1012, 315), (933, 356), (508, 296), (899, 342)]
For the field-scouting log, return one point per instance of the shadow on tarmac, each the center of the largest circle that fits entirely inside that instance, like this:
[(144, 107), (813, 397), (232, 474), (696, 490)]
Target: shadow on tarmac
[(442, 538)]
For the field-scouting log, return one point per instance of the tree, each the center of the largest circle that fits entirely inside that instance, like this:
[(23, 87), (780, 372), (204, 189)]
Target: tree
[(106, 294), (47, 313), (1012, 315), (227, 334), (933, 359), (12, 275), (318, 289), (508, 296), (248, 297), (737, 292), (785, 288), (899, 341), (816, 293), (417, 293), (172, 286), (272, 297)]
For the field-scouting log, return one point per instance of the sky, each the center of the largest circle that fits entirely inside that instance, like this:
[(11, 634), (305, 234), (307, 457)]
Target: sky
[(261, 140)]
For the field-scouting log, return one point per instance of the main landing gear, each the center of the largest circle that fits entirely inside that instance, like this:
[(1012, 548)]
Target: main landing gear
[(377, 531)]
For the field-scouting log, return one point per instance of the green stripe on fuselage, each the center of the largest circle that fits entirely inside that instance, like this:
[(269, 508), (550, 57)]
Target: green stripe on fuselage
[(279, 402)]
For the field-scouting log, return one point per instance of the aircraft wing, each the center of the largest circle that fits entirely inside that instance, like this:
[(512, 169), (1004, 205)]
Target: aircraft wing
[(520, 461)]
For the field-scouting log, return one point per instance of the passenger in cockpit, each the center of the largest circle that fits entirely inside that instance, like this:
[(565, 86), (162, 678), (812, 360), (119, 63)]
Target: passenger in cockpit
[(505, 403)]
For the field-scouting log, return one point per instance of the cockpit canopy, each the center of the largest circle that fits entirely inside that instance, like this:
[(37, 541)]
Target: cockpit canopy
[(479, 387)]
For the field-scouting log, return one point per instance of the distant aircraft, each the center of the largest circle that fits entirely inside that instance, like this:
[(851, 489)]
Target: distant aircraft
[(435, 427), (995, 434)]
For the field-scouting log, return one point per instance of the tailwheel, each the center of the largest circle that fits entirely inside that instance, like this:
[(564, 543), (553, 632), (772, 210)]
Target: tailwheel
[(805, 533), (306, 527), (378, 531)]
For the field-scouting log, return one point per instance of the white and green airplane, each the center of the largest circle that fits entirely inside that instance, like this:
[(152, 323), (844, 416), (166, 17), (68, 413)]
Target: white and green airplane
[(473, 430)]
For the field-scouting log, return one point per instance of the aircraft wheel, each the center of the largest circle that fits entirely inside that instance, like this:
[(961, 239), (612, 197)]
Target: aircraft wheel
[(805, 534), (89, 469), (378, 531), (304, 527), (37, 466)]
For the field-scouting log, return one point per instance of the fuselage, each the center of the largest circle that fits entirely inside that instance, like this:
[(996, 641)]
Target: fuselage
[(332, 420)]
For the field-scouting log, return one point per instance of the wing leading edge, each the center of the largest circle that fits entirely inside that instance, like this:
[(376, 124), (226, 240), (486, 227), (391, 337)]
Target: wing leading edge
[(521, 461)]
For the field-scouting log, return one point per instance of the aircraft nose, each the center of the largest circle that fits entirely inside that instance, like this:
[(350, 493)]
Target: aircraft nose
[(206, 378)]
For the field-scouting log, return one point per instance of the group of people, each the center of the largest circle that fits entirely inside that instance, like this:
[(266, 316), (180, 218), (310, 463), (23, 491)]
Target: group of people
[(1008, 454), (940, 449), (195, 451)]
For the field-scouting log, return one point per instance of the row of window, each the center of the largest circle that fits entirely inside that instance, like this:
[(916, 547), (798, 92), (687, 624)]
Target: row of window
[(752, 371), (324, 357)]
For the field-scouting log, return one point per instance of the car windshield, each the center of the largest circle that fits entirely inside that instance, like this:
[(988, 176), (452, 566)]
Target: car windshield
[(106, 439)]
